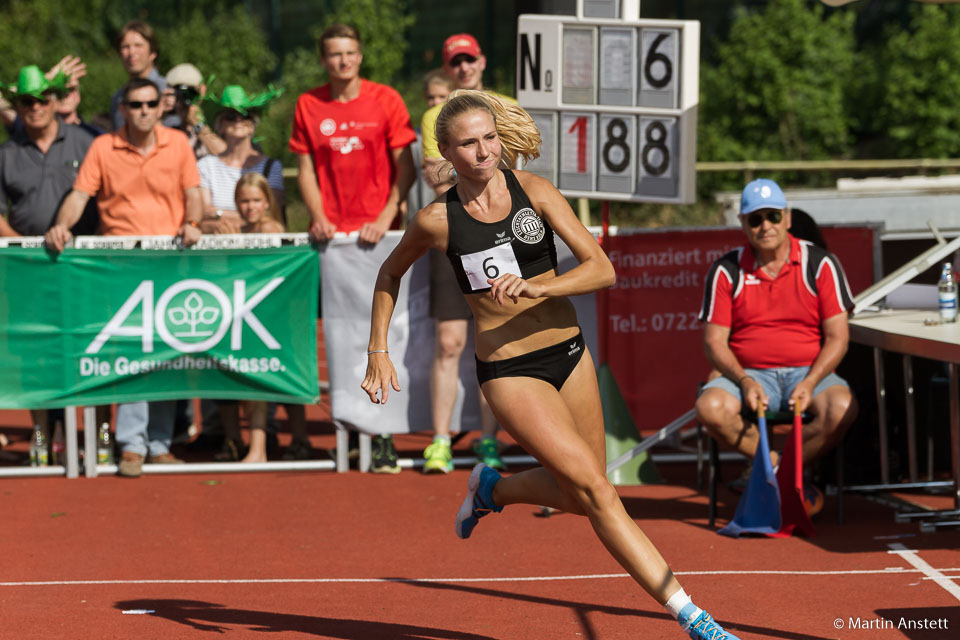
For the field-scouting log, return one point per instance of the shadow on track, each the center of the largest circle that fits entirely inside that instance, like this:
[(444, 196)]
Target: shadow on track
[(582, 609), (207, 616)]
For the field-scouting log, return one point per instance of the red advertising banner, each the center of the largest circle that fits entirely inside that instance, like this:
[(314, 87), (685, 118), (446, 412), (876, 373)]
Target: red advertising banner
[(654, 339)]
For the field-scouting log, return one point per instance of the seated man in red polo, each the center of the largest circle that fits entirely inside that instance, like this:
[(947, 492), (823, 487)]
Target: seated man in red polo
[(775, 314)]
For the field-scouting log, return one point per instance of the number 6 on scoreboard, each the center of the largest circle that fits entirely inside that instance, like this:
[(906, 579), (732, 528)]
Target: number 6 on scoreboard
[(659, 67)]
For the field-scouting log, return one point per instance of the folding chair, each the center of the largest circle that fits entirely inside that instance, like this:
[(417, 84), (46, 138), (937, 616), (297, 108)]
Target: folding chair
[(774, 418)]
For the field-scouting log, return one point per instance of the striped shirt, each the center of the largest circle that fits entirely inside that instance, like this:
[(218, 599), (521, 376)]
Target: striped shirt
[(221, 179)]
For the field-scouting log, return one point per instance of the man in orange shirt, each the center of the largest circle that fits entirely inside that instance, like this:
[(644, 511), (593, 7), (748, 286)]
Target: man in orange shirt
[(146, 182), (143, 175)]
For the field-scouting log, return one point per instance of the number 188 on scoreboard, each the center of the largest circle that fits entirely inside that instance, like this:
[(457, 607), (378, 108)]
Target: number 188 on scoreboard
[(615, 102)]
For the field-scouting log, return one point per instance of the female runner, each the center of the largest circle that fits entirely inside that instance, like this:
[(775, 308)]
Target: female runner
[(496, 226)]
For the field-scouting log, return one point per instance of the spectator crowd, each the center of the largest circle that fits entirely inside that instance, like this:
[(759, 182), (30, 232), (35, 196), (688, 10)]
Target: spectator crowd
[(173, 158)]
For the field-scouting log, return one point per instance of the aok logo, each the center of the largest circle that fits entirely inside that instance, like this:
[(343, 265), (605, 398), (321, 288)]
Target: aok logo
[(191, 315)]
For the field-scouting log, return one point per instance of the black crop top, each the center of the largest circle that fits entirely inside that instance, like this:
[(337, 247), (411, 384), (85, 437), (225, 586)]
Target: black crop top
[(522, 243)]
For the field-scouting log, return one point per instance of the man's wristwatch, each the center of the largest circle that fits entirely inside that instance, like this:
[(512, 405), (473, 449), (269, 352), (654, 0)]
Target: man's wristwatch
[(197, 128), (219, 213)]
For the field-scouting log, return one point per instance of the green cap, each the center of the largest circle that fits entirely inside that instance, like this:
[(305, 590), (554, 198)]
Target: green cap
[(234, 97), (32, 82)]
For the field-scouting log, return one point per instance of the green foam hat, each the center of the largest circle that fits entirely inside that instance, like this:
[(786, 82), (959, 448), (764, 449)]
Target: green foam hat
[(32, 82), (234, 97)]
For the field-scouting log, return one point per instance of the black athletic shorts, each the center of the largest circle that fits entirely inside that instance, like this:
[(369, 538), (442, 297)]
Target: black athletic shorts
[(552, 364)]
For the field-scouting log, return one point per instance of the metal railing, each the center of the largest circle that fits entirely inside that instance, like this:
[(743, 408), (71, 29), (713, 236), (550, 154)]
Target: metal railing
[(750, 167)]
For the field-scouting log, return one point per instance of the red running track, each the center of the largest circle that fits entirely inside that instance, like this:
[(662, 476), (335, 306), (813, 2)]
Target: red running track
[(365, 557)]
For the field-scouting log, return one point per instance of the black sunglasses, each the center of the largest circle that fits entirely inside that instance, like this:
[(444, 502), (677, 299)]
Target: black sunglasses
[(139, 104), (773, 216), (232, 116), (28, 101), (459, 59)]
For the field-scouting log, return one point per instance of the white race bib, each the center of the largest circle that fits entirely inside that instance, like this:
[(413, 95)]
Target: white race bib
[(490, 263)]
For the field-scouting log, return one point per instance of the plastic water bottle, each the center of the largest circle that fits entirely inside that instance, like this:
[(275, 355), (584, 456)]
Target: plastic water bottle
[(38, 448), (104, 444), (947, 292), (59, 444)]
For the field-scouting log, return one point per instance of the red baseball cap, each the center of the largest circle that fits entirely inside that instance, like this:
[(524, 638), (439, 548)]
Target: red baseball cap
[(460, 43)]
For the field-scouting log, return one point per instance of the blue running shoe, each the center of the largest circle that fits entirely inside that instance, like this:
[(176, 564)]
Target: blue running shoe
[(700, 624), (479, 501)]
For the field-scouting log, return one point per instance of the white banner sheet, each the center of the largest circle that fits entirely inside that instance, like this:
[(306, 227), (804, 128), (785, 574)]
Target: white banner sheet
[(349, 273)]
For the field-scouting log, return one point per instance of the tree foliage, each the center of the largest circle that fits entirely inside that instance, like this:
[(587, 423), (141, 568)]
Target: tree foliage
[(43, 31), (920, 85), (236, 52), (778, 89), (382, 25)]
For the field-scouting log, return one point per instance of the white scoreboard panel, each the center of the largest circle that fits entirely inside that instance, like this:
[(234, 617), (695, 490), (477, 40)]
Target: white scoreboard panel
[(616, 104)]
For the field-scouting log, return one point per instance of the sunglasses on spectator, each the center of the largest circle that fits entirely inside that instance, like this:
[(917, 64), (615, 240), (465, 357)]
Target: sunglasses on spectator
[(456, 61), (773, 216), (27, 102), (139, 104), (233, 116)]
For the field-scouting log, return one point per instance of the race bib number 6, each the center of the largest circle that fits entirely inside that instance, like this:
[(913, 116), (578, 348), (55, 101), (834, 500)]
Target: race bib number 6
[(490, 263)]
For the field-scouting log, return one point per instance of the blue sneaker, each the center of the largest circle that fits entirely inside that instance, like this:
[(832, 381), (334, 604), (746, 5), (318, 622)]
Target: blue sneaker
[(479, 501), (700, 624)]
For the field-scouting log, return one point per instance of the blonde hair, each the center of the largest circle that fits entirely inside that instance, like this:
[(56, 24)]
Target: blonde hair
[(259, 181), (436, 76), (519, 137)]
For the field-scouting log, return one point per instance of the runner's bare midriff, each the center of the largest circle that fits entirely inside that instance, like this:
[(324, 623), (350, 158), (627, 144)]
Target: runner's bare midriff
[(518, 328)]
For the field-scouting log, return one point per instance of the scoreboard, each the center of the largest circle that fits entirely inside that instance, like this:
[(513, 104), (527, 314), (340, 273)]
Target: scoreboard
[(615, 101)]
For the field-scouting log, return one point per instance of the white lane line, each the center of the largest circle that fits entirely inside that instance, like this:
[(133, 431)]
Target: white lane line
[(595, 576), (912, 557)]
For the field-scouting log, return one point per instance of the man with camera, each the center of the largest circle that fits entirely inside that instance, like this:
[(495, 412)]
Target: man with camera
[(185, 89)]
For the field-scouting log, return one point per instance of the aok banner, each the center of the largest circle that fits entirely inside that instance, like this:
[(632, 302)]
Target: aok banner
[(100, 326)]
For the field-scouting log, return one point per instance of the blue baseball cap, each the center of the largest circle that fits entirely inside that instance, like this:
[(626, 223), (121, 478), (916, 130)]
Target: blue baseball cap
[(762, 194)]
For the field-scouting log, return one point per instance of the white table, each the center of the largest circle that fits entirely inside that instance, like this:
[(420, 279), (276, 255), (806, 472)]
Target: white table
[(914, 333)]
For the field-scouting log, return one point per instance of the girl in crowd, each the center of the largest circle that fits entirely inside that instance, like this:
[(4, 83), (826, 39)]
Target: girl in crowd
[(497, 228), (256, 205), (235, 118), (258, 213)]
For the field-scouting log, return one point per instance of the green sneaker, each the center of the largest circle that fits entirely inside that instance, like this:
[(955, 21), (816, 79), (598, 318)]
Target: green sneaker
[(384, 455), (488, 452), (439, 458)]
